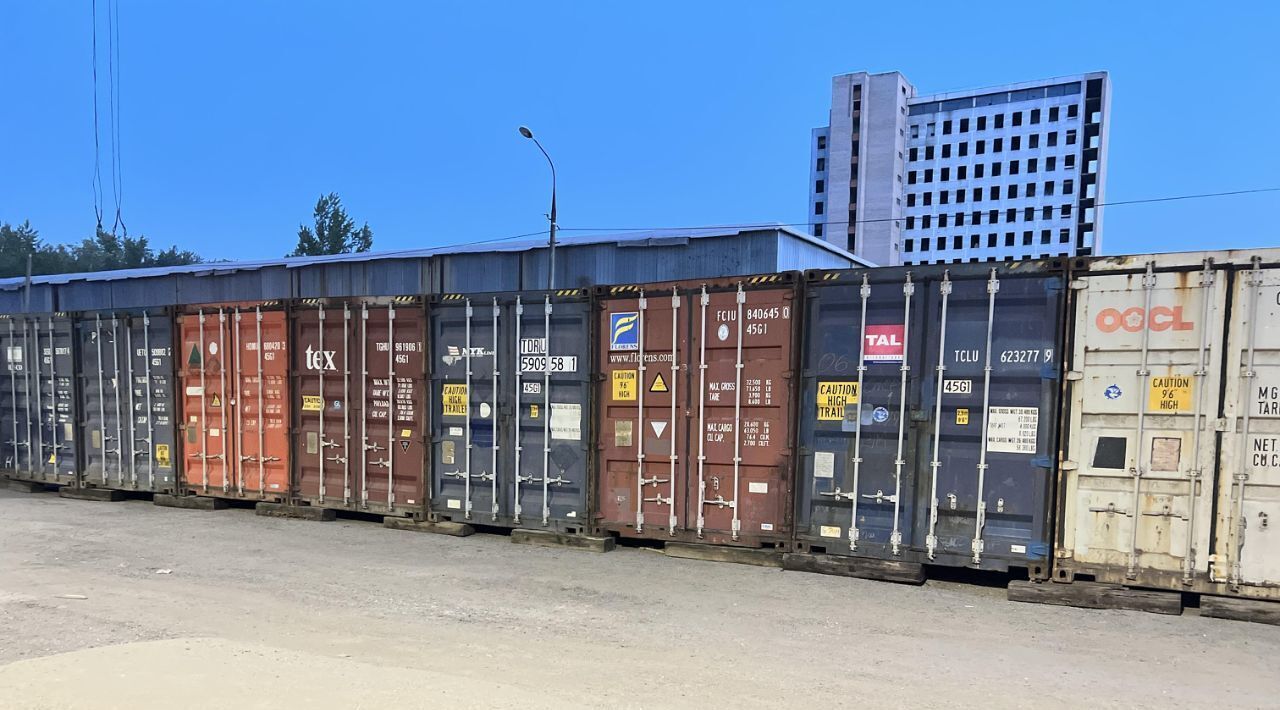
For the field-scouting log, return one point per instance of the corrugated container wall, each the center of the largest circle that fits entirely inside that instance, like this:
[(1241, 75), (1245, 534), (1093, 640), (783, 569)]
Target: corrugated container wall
[(1170, 477), (38, 411), (928, 416), (511, 385), (234, 375), (126, 370), (695, 403), (360, 404)]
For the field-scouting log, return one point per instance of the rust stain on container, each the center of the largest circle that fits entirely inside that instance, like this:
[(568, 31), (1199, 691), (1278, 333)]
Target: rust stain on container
[(695, 395), (235, 400), (359, 404)]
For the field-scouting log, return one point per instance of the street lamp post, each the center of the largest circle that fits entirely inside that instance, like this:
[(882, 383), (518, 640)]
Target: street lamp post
[(551, 274)]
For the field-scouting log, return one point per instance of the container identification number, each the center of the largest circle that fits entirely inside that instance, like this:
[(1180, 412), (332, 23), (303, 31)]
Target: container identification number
[(1027, 355)]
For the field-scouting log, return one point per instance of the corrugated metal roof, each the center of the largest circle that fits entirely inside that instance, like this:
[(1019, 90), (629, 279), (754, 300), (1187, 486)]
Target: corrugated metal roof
[(626, 239)]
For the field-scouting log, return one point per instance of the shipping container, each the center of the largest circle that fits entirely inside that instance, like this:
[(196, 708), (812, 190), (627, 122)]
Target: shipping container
[(1168, 478), (928, 414), (360, 404), (38, 411), (695, 401), (126, 370), (511, 387), (234, 375)]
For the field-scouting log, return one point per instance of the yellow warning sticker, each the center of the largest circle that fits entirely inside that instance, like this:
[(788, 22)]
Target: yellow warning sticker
[(533, 411), (832, 398), (162, 456), (962, 416), (216, 402), (829, 531), (659, 384), (624, 385), (312, 403), (1170, 395), (405, 433), (455, 400)]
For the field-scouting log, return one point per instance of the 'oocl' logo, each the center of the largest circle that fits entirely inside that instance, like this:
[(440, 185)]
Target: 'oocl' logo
[(1132, 320)]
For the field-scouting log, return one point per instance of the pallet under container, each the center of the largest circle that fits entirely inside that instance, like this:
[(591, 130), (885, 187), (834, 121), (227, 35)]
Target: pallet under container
[(234, 386), (695, 393), (38, 400), (127, 399), (359, 405), (928, 419), (511, 411)]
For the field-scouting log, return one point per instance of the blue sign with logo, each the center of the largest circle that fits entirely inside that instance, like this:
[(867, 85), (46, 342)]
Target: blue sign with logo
[(624, 330), (880, 415), (1112, 392)]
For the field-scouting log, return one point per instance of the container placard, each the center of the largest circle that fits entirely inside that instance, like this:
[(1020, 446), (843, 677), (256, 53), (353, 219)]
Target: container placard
[(832, 398), (624, 385), (454, 400), (1012, 430), (566, 421), (1170, 395)]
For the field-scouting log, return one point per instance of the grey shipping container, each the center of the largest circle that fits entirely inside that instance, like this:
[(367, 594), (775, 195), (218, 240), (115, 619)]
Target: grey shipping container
[(38, 402), (928, 419), (127, 376), (510, 384)]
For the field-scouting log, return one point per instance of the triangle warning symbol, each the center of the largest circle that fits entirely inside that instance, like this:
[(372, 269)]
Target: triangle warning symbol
[(658, 427), (217, 401), (659, 384), (195, 359)]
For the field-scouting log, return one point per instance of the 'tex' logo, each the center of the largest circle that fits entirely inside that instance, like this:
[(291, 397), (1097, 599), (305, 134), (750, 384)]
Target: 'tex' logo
[(624, 331), (320, 359)]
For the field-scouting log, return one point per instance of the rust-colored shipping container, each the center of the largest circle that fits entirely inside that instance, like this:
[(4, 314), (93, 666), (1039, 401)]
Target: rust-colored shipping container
[(359, 404), (234, 379), (695, 400)]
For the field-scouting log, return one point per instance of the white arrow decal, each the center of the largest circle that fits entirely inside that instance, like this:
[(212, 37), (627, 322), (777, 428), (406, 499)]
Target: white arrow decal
[(658, 427)]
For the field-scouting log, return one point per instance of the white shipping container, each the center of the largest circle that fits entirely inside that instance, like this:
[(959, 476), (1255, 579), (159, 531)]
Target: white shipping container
[(1157, 385)]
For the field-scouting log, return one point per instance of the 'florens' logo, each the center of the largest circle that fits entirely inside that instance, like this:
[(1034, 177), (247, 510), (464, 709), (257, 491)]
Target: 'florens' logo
[(320, 359), (1132, 320)]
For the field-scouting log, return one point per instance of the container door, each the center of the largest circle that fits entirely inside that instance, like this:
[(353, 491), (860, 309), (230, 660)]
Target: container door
[(392, 427), (16, 416), (644, 354), (990, 389), (104, 379), (740, 456), (1145, 374), (149, 343), (260, 402), (57, 398), (207, 375), (551, 390), (322, 349), (1248, 533), (466, 342)]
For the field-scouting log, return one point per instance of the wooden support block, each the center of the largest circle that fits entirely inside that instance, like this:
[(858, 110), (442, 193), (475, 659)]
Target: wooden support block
[(440, 528), (721, 553), (549, 538), (98, 494), (189, 502), (1255, 610), (25, 486), (860, 567), (299, 512), (1093, 595)]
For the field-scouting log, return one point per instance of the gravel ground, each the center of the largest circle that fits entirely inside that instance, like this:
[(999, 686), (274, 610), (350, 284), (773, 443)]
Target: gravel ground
[(226, 609)]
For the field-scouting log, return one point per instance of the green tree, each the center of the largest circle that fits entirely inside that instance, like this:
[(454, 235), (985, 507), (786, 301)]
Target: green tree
[(103, 252), (334, 232)]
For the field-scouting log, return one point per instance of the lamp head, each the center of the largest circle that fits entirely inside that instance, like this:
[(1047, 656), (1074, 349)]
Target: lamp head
[(526, 132)]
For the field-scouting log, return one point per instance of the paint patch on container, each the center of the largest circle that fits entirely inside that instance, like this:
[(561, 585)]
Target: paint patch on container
[(447, 452), (566, 421), (829, 531), (485, 410), (824, 464), (622, 432), (1166, 453), (758, 487), (1012, 430)]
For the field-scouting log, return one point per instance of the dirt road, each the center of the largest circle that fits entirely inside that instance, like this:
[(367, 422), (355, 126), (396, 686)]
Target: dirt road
[(226, 609)]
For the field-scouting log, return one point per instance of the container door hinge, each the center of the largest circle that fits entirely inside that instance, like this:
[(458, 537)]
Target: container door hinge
[(1223, 424), (1074, 376)]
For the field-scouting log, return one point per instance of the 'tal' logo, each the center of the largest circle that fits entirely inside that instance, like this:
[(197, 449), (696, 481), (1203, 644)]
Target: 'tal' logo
[(884, 343), (320, 359)]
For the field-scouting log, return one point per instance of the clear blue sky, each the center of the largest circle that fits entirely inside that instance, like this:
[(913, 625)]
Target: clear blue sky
[(236, 115)]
